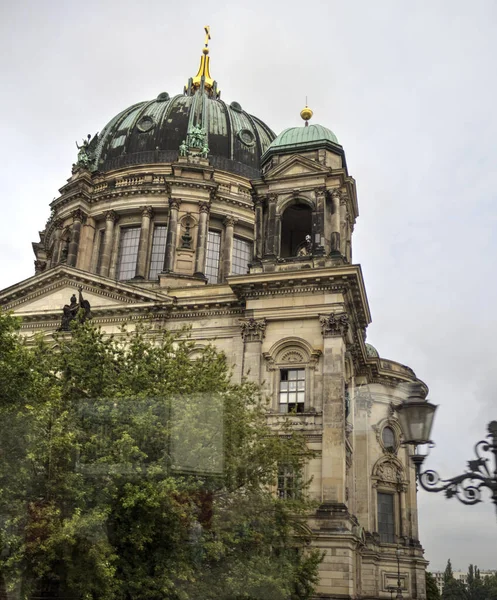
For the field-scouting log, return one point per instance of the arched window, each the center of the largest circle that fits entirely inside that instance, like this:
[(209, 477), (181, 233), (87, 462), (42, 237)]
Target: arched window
[(296, 223)]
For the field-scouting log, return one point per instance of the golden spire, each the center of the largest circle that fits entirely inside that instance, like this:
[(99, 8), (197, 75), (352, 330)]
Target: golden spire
[(203, 70), (306, 113)]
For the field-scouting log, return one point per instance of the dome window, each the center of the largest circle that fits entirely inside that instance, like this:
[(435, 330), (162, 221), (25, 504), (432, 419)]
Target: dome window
[(163, 97), (236, 107), (246, 137), (145, 124)]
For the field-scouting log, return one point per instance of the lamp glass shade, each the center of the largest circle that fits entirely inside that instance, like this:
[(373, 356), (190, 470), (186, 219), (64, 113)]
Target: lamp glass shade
[(416, 421)]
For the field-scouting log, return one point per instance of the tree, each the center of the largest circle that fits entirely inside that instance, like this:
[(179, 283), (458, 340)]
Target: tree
[(432, 592), (130, 470), (452, 588), (475, 587)]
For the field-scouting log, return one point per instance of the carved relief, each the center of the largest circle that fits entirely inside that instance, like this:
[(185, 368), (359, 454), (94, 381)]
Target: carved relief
[(174, 203), (111, 215), (336, 324), (292, 357), (78, 215), (253, 330)]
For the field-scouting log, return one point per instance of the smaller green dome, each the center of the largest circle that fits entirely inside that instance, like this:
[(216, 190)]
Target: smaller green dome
[(298, 139), (371, 351), (296, 136)]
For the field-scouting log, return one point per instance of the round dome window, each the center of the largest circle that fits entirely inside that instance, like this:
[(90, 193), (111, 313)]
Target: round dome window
[(145, 124), (246, 137), (236, 106)]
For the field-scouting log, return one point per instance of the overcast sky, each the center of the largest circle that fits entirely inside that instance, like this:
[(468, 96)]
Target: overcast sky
[(410, 90)]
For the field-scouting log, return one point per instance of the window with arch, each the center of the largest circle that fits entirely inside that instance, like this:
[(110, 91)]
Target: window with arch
[(389, 481), (296, 223), (292, 362)]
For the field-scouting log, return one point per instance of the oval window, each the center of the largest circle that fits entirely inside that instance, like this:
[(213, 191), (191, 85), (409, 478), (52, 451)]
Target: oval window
[(388, 438)]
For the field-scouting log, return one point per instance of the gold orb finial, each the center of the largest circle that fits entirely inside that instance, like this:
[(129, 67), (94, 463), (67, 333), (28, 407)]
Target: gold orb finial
[(306, 114)]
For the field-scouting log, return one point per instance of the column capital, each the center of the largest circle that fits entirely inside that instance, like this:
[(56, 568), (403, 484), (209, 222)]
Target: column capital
[(174, 203), (204, 207), (272, 197), (111, 215), (320, 191), (59, 224), (147, 211), (253, 330), (78, 215), (230, 221), (336, 194), (335, 324)]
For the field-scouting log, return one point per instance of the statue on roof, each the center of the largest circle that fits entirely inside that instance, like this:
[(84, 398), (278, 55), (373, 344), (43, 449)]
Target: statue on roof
[(86, 152), (305, 248), (75, 310)]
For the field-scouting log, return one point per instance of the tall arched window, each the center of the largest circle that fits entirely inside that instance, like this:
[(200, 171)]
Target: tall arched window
[(296, 223)]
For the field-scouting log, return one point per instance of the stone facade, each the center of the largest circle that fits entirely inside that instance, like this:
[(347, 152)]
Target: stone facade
[(299, 307)]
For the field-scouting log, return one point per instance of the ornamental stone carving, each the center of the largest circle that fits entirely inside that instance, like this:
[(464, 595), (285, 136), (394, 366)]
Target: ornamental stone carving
[(204, 207), (78, 215), (253, 330), (336, 324), (174, 203), (230, 221), (147, 211), (111, 215)]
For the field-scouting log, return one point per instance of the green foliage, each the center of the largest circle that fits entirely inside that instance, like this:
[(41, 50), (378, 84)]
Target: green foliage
[(131, 471), (452, 588), (432, 592)]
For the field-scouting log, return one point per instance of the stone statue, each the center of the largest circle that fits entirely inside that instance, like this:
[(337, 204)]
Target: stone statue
[(197, 137), (65, 251), (305, 248), (83, 154), (183, 149), (205, 151), (75, 310)]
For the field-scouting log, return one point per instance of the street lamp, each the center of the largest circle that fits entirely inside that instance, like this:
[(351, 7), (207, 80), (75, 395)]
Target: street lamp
[(416, 419), (399, 587)]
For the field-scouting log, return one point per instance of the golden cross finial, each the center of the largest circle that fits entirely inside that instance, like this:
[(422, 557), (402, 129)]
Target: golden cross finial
[(207, 30)]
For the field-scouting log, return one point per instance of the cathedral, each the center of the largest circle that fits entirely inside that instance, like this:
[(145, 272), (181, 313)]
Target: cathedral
[(188, 210)]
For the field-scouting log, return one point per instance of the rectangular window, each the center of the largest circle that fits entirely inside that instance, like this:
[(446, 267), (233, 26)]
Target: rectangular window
[(242, 255), (386, 518), (158, 251), (289, 487), (292, 390), (128, 252), (212, 258)]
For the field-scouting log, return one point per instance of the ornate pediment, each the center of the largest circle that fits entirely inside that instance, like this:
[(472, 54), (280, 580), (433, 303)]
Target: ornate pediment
[(296, 166), (48, 292)]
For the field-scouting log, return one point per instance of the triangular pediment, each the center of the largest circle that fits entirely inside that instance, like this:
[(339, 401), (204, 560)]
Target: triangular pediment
[(48, 292), (296, 166)]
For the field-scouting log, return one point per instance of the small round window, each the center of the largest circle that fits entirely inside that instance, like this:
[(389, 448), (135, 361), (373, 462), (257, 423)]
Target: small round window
[(145, 124), (246, 137), (388, 438)]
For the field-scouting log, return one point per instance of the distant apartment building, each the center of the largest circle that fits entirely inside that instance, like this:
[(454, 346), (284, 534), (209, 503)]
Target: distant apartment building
[(459, 575)]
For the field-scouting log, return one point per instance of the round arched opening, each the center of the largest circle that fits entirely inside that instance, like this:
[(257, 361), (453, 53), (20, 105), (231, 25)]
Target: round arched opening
[(296, 223)]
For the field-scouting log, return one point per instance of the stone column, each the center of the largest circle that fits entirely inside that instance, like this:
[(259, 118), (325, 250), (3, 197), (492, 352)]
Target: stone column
[(343, 224), (335, 222), (78, 218), (172, 234), (253, 332), (271, 250), (318, 238), (59, 226), (229, 228), (110, 221), (334, 328), (203, 230), (259, 246), (141, 263)]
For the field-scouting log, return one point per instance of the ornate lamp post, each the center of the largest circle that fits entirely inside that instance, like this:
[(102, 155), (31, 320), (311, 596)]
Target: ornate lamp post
[(416, 419)]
